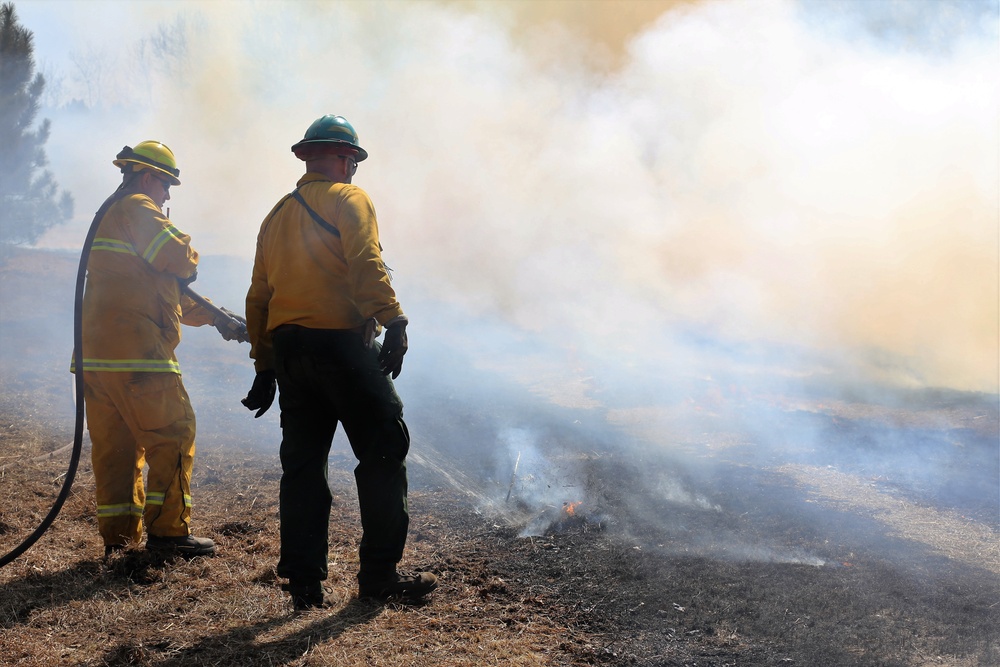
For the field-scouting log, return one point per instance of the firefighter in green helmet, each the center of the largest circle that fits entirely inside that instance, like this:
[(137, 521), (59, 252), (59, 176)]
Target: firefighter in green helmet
[(319, 295)]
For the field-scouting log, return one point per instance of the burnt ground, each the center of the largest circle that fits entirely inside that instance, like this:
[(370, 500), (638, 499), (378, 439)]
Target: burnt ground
[(865, 534)]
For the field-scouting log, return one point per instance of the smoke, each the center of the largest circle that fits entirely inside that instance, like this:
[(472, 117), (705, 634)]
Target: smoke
[(725, 168), (665, 213)]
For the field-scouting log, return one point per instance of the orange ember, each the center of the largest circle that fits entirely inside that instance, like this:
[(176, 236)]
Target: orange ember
[(570, 508)]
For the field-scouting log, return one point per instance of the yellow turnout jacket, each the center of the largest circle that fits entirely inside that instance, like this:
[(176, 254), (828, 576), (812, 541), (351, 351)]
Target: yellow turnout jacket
[(133, 306), (308, 275)]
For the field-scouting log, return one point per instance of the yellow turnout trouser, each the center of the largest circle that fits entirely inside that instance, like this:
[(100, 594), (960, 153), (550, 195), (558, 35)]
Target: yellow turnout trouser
[(138, 419)]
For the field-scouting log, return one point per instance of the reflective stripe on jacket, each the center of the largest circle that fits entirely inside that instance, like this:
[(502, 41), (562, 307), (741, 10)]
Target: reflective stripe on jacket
[(132, 306), (305, 275)]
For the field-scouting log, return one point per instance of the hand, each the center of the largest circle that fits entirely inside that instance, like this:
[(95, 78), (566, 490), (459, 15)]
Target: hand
[(390, 359), (232, 326), (261, 394)]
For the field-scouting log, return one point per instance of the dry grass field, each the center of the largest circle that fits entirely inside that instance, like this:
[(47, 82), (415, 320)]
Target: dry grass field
[(725, 556)]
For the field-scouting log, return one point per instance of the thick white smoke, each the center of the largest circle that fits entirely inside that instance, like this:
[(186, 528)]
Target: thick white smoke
[(735, 172), (666, 223)]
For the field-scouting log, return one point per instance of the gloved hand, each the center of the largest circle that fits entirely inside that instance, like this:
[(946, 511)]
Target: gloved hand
[(261, 394), (190, 279), (390, 359), (225, 326)]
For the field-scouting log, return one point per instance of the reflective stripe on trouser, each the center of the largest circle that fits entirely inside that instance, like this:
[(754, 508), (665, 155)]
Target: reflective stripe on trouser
[(326, 378), (138, 419)]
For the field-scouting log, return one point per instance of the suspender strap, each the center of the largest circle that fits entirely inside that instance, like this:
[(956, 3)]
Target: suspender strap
[(314, 215)]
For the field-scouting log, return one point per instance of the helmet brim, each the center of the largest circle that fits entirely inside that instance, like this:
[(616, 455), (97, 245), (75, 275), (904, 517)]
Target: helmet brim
[(360, 153), (121, 164)]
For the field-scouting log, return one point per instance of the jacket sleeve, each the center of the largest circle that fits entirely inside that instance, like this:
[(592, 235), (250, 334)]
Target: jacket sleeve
[(367, 277), (258, 298), (194, 314), (164, 247)]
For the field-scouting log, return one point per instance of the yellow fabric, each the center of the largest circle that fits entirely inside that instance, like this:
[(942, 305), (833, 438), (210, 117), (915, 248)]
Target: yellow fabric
[(137, 419), (303, 274), (138, 412), (133, 307)]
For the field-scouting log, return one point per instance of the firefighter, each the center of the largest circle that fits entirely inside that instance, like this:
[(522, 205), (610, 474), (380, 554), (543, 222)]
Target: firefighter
[(138, 412), (319, 292)]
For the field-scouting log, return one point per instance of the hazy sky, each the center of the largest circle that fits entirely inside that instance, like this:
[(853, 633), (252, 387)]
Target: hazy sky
[(820, 175)]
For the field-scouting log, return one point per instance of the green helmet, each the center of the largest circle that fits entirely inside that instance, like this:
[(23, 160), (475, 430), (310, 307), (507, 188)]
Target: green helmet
[(330, 129)]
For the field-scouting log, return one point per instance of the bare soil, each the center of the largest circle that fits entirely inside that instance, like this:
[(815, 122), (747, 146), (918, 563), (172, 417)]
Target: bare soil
[(602, 551)]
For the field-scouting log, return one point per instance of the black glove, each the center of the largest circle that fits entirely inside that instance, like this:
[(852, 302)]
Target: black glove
[(261, 394), (232, 326), (390, 359), (190, 279)]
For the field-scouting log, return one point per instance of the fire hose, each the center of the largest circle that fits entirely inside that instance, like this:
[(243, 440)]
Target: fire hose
[(237, 330)]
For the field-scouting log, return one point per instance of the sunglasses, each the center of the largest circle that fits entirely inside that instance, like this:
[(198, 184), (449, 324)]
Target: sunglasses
[(166, 184), (354, 162)]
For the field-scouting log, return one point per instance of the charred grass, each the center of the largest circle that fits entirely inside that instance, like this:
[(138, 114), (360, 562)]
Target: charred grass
[(751, 561), (621, 589)]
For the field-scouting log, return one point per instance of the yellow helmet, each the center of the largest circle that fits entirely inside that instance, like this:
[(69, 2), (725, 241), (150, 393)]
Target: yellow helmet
[(149, 155)]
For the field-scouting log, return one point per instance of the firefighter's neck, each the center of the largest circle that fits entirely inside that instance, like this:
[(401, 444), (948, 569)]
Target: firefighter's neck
[(333, 167)]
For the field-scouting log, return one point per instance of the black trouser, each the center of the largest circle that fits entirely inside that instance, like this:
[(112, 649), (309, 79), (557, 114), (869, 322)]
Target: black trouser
[(325, 377)]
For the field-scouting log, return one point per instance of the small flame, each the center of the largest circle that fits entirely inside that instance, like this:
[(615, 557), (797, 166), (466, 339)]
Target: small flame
[(570, 508)]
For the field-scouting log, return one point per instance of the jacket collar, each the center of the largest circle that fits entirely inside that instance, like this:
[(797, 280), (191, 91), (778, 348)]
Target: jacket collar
[(312, 177)]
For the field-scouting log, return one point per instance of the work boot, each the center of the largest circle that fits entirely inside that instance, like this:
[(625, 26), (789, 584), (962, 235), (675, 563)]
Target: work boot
[(396, 584), (187, 546), (309, 595)]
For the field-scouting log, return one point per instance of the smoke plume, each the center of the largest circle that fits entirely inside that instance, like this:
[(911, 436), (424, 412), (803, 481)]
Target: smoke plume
[(727, 169), (648, 216)]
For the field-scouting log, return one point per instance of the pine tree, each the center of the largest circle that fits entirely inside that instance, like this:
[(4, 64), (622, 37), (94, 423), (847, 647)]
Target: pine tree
[(30, 201)]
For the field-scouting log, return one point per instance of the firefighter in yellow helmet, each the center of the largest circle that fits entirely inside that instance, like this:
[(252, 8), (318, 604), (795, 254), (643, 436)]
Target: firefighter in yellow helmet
[(138, 412)]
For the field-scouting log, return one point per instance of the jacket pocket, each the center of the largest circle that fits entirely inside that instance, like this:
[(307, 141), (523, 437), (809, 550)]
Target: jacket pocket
[(158, 400)]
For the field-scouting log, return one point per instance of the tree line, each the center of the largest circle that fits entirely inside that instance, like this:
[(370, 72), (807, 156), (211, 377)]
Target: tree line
[(30, 200)]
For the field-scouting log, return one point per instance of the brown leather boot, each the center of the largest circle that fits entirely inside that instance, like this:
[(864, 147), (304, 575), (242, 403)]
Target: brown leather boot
[(309, 595), (404, 585), (188, 546)]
